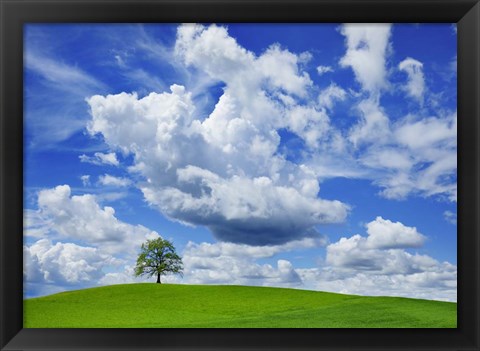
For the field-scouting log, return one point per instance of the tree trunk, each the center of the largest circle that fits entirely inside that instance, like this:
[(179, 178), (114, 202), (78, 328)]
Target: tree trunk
[(158, 278)]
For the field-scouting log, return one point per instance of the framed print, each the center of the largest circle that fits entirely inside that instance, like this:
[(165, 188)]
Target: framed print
[(240, 175)]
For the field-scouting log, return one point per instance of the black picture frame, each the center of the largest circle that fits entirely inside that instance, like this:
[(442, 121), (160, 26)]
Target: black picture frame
[(15, 13)]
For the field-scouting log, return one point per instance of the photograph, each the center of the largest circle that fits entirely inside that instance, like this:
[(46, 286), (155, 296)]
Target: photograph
[(240, 175)]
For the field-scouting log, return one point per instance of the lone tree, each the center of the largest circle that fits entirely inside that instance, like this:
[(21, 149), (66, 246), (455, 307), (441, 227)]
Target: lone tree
[(158, 257)]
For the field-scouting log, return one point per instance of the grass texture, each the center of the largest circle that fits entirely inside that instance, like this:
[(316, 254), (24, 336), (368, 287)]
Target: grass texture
[(210, 306)]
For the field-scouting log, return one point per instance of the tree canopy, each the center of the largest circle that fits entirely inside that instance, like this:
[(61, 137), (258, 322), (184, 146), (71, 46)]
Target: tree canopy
[(158, 257)]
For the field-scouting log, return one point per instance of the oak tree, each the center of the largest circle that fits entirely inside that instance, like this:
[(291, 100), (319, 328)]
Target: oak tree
[(158, 257)]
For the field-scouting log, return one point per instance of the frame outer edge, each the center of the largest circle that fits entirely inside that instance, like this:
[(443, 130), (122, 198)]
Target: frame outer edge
[(475, 12), (3, 318), (11, 174), (468, 108), (477, 113)]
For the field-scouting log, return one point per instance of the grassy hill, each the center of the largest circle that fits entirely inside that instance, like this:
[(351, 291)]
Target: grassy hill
[(209, 306)]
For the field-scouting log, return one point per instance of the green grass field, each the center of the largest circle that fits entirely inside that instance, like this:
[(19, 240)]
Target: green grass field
[(208, 306)]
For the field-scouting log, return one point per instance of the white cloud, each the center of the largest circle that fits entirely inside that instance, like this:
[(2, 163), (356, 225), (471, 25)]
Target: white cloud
[(378, 260), (331, 94), (243, 210), (382, 251), (453, 65), (412, 156), (337, 162), (85, 179), (204, 263), (242, 250), (309, 123), (423, 285), (80, 218), (385, 234), (416, 155), (416, 81), (100, 158), (58, 92), (109, 180), (372, 265), (224, 171), (218, 54), (450, 217), (454, 28), (388, 158), (34, 224), (367, 48), (125, 276), (64, 263), (251, 81), (226, 263), (281, 69), (428, 133), (100, 248), (64, 76), (110, 196), (212, 49), (432, 145), (373, 126), (324, 69), (145, 79), (50, 268), (240, 272), (379, 265)]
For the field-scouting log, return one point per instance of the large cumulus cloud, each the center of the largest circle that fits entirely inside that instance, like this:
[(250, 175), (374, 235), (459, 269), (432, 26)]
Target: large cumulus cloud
[(224, 171), (365, 265), (64, 216), (230, 170), (381, 263), (72, 242)]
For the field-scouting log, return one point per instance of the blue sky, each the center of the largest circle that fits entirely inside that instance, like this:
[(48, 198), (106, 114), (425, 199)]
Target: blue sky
[(312, 156)]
